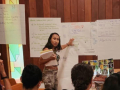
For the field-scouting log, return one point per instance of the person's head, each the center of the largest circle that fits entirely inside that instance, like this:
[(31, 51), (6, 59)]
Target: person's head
[(118, 72), (112, 82), (53, 42), (81, 75), (31, 77)]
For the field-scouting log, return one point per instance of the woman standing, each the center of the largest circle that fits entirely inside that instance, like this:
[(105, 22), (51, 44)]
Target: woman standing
[(50, 72)]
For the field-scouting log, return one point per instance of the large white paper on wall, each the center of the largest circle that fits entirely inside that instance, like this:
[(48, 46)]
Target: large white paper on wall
[(108, 39), (12, 24), (85, 43), (94, 38), (81, 32), (39, 32)]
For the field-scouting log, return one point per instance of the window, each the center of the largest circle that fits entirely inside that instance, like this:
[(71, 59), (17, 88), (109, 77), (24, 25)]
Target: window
[(16, 54)]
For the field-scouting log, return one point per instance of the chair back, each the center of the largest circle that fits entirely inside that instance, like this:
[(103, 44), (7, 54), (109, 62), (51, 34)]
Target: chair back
[(11, 80), (18, 86)]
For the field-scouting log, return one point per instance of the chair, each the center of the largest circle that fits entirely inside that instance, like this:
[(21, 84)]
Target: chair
[(41, 89), (18, 86), (11, 80)]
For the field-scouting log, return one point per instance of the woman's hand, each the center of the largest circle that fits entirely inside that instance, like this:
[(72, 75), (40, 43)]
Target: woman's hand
[(53, 57), (70, 43), (3, 87)]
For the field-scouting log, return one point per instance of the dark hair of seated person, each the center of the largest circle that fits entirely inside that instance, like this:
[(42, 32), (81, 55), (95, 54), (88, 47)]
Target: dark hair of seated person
[(81, 75), (118, 72), (31, 76), (112, 82)]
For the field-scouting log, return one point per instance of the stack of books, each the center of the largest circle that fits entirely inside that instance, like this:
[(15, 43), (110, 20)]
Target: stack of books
[(47, 54)]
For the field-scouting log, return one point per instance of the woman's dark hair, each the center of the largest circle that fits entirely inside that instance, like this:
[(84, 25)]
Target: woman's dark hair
[(49, 44), (81, 75), (112, 82)]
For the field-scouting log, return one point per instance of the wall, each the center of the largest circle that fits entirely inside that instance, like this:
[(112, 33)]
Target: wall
[(4, 53)]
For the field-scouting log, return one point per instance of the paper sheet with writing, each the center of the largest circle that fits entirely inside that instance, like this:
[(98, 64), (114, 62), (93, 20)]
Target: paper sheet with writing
[(39, 31), (83, 42), (12, 24), (68, 58), (94, 38), (108, 39), (85, 35)]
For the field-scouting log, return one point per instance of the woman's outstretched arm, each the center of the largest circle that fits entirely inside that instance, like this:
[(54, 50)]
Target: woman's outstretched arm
[(70, 43)]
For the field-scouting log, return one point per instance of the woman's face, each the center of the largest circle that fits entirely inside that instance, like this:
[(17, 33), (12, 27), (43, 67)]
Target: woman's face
[(55, 40)]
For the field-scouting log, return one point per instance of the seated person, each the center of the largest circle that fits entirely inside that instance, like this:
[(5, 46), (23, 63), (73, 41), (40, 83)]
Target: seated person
[(4, 77), (112, 82), (31, 77), (81, 75), (118, 72)]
